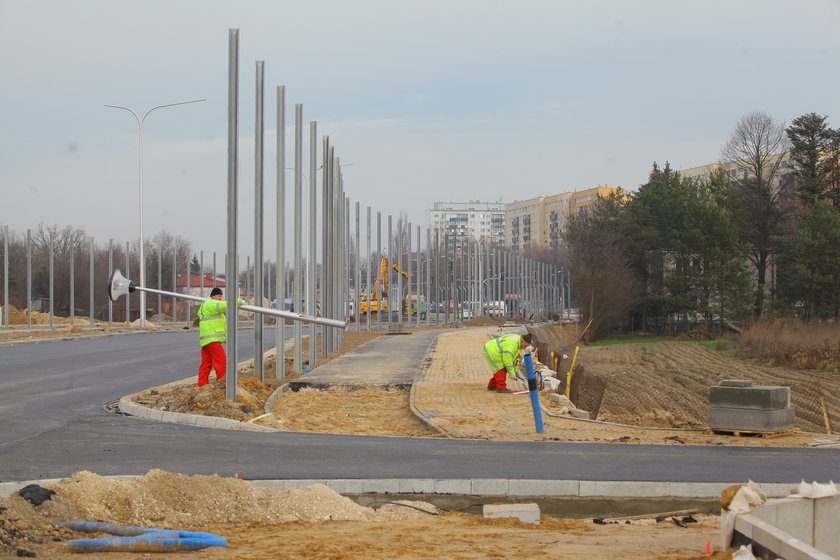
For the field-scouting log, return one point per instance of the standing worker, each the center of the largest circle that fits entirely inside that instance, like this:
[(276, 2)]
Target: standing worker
[(503, 356), (212, 333)]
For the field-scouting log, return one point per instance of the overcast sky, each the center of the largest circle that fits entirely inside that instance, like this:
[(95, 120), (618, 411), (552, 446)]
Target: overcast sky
[(440, 100)]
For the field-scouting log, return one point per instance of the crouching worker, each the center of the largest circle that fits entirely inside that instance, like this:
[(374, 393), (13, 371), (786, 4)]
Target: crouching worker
[(503, 356), (212, 333)]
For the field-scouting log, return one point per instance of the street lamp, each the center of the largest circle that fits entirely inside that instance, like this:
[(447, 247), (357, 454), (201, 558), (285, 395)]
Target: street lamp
[(140, 122)]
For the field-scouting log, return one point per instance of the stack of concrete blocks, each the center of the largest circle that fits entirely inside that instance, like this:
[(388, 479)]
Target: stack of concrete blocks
[(792, 528), (737, 405)]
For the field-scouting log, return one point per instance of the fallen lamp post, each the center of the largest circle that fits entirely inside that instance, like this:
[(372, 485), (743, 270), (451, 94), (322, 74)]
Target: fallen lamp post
[(119, 285)]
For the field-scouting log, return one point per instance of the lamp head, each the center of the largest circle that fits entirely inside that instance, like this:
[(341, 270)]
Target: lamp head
[(119, 285)]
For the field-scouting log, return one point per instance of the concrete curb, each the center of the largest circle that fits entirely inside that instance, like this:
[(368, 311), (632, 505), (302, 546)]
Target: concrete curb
[(495, 487), (127, 406)]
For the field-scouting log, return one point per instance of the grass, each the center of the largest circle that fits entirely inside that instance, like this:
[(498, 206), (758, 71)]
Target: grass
[(783, 342), (793, 343)]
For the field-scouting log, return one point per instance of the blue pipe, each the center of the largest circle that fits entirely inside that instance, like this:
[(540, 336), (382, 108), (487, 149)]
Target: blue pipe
[(534, 392), (139, 539)]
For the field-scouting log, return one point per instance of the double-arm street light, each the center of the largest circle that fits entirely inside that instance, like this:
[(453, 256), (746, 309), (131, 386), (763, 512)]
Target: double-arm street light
[(140, 122)]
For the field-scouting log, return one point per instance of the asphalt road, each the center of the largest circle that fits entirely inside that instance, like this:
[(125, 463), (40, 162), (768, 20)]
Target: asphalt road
[(53, 423)]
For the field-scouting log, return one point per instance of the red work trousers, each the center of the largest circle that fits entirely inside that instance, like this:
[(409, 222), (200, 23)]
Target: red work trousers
[(499, 380), (212, 357)]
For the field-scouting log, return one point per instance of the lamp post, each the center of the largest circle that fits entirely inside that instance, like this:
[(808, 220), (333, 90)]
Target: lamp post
[(140, 122)]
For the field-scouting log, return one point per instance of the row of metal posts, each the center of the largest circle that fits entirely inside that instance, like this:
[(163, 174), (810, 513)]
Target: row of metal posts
[(541, 286)]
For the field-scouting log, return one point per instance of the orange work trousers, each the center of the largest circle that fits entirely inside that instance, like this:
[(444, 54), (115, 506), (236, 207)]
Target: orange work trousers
[(499, 380), (212, 357)]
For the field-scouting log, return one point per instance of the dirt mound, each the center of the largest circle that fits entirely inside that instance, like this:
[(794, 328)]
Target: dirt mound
[(210, 400)]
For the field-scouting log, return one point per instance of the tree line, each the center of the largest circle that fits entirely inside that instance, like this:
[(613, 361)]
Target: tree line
[(71, 250), (759, 236)]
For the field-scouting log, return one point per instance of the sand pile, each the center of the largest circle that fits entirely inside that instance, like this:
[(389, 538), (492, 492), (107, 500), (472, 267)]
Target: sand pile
[(164, 499)]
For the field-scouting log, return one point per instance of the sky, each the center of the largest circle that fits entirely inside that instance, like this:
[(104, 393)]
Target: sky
[(441, 100)]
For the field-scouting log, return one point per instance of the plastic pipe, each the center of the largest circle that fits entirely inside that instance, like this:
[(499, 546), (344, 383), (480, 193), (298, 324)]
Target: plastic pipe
[(139, 539), (534, 392)]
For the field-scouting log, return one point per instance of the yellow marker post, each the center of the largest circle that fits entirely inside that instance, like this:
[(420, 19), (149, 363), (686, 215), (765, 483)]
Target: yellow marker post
[(571, 369), (825, 415)]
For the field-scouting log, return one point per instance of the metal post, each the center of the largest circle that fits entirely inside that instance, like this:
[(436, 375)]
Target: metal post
[(174, 281), (311, 277), (297, 298), (358, 276), (325, 238), (110, 271), (5, 321), (231, 269), (160, 279), (280, 219), (369, 264), (92, 300), (72, 282), (52, 280), (376, 261), (258, 222), (127, 303), (29, 279)]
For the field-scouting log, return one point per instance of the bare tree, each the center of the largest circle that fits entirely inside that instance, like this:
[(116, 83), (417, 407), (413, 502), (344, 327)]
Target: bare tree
[(755, 153)]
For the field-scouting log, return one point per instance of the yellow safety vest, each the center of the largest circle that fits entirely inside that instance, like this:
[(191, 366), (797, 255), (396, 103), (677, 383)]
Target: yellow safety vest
[(212, 324), (503, 352)]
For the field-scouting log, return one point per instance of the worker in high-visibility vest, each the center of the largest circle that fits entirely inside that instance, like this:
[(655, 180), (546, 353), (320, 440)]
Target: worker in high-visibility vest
[(502, 354), (212, 333)]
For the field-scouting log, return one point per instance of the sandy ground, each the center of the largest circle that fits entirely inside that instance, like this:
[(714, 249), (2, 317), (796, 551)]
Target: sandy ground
[(317, 523)]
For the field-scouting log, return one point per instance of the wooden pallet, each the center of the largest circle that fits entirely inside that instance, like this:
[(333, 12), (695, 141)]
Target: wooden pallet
[(749, 433)]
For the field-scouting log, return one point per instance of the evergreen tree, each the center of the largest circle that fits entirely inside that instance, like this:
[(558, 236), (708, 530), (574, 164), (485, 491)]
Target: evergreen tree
[(810, 138), (809, 265)]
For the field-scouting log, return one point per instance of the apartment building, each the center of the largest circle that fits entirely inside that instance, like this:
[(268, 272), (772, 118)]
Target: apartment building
[(538, 222), (458, 222)]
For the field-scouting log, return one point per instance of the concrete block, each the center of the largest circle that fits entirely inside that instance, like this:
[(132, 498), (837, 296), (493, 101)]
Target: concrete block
[(767, 535), (624, 489), (826, 514), (346, 485), (735, 383), (795, 516), (750, 420), (761, 397), (794, 549), (417, 486), (206, 421), (529, 513), (300, 483), (543, 487), (382, 486), (172, 417), (490, 487), (454, 486)]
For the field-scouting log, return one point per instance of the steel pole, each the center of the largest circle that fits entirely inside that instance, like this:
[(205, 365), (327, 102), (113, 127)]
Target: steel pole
[(369, 264), (311, 261), (258, 219), (72, 283), (52, 280), (280, 276), (92, 300), (5, 321), (298, 294), (29, 278), (231, 268)]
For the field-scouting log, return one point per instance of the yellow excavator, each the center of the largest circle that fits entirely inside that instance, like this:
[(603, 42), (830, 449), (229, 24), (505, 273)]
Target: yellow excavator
[(377, 301)]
